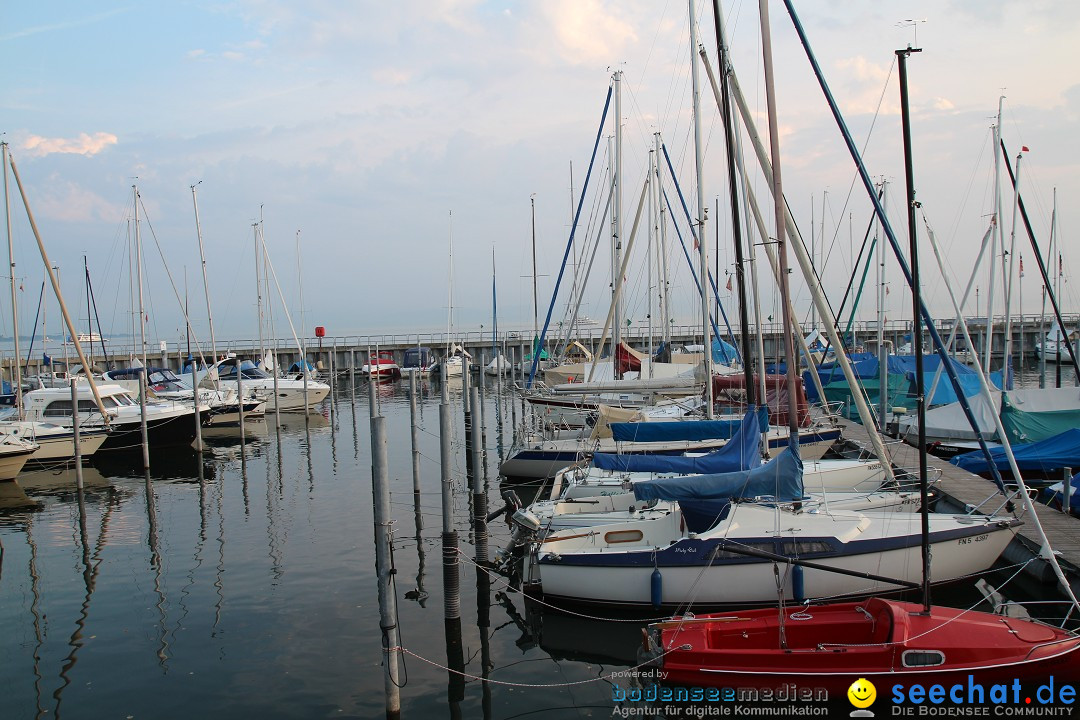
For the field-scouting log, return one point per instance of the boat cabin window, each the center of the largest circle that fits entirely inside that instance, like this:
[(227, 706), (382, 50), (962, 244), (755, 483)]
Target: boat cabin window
[(621, 536), (62, 408), (804, 547), (251, 372), (923, 658), (767, 546)]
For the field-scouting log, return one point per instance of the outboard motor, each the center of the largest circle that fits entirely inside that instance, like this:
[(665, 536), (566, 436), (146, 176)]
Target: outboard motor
[(524, 527), (511, 503)]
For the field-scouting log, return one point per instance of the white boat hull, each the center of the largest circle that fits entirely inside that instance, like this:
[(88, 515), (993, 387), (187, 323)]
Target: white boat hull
[(586, 566), (13, 458)]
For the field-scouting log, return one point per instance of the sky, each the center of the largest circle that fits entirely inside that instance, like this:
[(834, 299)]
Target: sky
[(370, 137)]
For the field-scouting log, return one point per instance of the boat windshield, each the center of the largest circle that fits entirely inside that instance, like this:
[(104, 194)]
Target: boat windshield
[(250, 372)]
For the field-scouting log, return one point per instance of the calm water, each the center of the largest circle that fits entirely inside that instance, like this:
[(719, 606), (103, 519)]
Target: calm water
[(243, 585), (249, 590)]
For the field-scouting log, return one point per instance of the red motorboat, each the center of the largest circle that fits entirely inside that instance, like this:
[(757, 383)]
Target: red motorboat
[(885, 641), (381, 365)]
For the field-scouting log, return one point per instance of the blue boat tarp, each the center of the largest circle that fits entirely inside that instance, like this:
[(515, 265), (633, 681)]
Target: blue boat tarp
[(741, 452), (865, 367), (723, 352), (678, 430), (781, 477), (1060, 451)]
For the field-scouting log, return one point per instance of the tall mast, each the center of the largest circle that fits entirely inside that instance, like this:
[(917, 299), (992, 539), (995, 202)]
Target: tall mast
[(206, 283), (139, 277), (736, 226), (916, 339), (703, 247), (1006, 369), (882, 354), (89, 314), (258, 292), (661, 220), (574, 253), (17, 373), (300, 282), (450, 291), (778, 204), (616, 214), (649, 257), (536, 323), (996, 243)]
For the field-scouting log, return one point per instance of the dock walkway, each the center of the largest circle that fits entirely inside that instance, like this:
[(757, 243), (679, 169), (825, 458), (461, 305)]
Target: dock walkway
[(960, 489)]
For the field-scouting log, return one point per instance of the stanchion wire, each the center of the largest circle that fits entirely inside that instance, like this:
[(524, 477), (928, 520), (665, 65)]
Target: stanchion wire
[(605, 678), (512, 589)]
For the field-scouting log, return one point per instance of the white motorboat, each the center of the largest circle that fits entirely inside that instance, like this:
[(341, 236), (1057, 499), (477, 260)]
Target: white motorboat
[(168, 423), (224, 407), (14, 452), (257, 384), (56, 444)]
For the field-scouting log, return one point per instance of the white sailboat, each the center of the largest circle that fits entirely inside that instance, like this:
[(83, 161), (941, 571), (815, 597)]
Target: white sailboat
[(453, 361)]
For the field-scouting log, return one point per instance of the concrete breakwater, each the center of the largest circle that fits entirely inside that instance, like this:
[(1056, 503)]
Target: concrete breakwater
[(350, 351)]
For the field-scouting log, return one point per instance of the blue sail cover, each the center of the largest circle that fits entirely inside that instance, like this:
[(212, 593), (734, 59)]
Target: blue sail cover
[(676, 430), (781, 477), (1048, 455), (741, 452)]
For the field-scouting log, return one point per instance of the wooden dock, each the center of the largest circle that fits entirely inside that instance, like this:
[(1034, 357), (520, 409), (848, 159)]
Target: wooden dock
[(960, 490)]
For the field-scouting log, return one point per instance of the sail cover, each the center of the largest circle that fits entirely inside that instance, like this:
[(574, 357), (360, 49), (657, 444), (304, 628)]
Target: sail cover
[(679, 430), (741, 452), (781, 478)]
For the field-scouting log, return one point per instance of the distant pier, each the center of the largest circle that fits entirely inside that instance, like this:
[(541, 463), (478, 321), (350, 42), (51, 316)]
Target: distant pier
[(350, 351)]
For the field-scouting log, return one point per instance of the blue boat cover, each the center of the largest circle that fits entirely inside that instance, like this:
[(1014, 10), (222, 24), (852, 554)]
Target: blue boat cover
[(297, 367), (781, 477), (741, 452), (676, 430), (865, 367), (1054, 453), (723, 352)]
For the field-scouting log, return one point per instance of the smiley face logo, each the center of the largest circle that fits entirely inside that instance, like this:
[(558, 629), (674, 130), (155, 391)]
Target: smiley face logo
[(862, 693)]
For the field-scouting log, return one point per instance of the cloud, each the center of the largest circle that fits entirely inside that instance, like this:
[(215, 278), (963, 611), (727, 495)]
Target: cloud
[(863, 82), (588, 32), (68, 25), (391, 76), (66, 201), (82, 145)]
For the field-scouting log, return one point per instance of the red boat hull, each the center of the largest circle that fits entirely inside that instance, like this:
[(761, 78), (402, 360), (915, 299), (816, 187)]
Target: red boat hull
[(887, 642)]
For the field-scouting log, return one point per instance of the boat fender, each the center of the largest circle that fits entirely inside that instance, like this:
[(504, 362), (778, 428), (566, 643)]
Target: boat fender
[(657, 587), (798, 590)]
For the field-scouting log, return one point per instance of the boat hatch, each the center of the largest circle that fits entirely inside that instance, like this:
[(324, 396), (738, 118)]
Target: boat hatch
[(923, 658)]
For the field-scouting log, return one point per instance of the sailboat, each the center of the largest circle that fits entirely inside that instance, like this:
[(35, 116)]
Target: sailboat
[(879, 640), (455, 355)]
